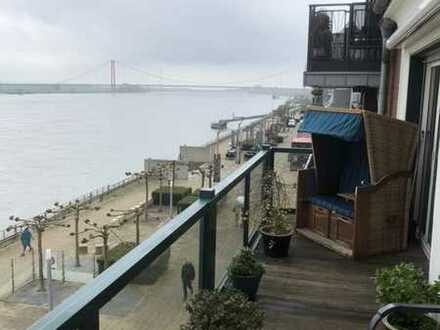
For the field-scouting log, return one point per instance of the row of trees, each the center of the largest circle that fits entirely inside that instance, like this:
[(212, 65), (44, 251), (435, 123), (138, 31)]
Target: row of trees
[(54, 217)]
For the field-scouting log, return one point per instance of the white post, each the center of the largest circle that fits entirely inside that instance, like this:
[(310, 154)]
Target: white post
[(94, 266), (33, 265), (63, 271), (12, 276), (171, 183), (49, 262)]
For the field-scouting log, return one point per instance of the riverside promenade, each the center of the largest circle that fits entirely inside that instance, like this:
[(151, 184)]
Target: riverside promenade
[(161, 302)]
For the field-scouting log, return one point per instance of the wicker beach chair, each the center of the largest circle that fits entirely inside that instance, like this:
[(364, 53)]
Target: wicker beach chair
[(370, 216)]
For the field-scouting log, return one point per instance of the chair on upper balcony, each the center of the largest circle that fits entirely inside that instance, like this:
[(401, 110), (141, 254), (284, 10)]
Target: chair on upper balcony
[(355, 199)]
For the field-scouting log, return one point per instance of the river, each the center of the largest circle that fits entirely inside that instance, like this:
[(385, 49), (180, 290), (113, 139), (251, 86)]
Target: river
[(55, 147)]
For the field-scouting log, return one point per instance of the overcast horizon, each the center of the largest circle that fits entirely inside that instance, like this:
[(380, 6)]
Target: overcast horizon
[(239, 42)]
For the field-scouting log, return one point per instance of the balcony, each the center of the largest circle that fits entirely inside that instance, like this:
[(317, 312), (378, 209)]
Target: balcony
[(344, 46), (313, 288)]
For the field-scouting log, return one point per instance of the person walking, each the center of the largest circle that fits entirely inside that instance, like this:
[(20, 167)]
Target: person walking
[(188, 275), (25, 238)]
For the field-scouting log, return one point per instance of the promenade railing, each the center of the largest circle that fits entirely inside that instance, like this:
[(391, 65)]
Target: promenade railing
[(9, 236), (145, 288)]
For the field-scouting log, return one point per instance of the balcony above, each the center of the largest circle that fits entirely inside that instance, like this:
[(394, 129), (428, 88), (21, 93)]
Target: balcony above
[(344, 46)]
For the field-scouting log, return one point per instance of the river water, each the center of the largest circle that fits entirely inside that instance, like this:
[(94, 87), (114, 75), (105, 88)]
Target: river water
[(55, 147)]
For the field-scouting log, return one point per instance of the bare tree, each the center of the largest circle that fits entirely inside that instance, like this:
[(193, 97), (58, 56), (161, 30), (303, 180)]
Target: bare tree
[(145, 176), (98, 232), (49, 218), (137, 212), (77, 208)]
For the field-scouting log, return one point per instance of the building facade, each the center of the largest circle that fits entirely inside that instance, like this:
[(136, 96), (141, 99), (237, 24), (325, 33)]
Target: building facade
[(344, 55), (413, 95), (386, 54)]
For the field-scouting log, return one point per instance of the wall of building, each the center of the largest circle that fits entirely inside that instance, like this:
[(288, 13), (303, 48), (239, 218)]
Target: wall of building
[(402, 11), (195, 154), (181, 172)]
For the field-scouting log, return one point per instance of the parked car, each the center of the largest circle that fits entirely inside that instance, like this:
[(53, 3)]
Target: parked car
[(231, 153), (250, 153), (301, 140), (291, 123)]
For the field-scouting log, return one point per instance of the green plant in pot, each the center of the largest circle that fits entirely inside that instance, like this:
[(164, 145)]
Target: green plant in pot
[(222, 310), (275, 228), (405, 284), (245, 273)]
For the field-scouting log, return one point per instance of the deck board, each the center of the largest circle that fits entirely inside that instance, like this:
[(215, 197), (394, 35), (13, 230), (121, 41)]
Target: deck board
[(315, 288)]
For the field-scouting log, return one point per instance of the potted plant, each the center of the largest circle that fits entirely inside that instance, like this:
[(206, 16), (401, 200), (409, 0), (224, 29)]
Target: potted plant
[(219, 310), (405, 284), (275, 227), (245, 273)]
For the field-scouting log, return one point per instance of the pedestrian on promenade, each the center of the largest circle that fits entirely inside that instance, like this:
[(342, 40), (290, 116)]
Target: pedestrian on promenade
[(26, 237), (188, 275), (238, 209)]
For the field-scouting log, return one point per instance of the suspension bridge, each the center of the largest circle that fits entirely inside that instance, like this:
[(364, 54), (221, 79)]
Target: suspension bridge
[(153, 82)]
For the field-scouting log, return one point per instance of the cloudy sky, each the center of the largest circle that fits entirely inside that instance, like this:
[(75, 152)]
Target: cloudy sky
[(241, 42)]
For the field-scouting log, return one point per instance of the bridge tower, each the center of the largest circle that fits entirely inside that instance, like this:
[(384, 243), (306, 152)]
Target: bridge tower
[(113, 74)]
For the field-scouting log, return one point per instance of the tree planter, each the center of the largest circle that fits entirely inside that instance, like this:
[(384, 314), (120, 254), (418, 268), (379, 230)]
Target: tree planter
[(247, 284), (276, 246)]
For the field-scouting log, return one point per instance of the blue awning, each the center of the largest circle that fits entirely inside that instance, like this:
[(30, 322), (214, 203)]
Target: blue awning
[(345, 126)]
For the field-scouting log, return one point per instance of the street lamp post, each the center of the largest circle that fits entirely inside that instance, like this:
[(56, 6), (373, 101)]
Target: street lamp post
[(237, 155)]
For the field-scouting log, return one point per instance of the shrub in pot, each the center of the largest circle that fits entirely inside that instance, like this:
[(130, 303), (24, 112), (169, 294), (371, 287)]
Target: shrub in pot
[(221, 310), (245, 273), (405, 284), (275, 228), (178, 194)]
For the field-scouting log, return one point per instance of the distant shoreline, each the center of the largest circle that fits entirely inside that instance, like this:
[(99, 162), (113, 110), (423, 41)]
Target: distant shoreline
[(22, 89)]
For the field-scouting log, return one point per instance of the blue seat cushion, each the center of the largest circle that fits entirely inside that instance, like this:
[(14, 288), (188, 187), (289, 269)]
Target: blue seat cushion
[(333, 203)]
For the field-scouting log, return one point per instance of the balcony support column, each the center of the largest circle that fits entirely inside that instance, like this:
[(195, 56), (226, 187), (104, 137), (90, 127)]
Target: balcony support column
[(245, 209), (207, 243)]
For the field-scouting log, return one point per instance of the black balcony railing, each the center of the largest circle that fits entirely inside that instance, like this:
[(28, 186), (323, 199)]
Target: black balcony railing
[(211, 244), (343, 38), (383, 312)]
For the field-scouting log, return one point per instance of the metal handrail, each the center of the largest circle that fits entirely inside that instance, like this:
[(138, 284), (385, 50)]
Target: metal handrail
[(393, 308), (80, 310)]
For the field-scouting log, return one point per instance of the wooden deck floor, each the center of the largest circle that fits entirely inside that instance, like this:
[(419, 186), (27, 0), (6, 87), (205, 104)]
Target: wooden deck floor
[(315, 288)]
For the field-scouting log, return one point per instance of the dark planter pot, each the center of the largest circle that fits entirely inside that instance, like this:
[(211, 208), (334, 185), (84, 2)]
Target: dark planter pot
[(247, 284), (276, 246)]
